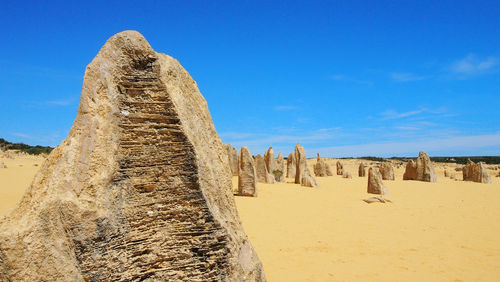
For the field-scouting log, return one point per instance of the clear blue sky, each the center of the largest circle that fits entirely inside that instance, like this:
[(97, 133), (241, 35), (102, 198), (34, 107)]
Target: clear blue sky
[(350, 78)]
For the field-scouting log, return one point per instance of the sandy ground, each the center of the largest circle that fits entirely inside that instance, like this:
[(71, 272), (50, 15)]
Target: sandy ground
[(445, 231)]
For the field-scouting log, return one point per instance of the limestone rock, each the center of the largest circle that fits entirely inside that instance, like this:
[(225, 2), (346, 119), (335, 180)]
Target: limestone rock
[(422, 170), (262, 175), (386, 171), (291, 166), (247, 178), (476, 172), (270, 161), (2, 165), (279, 173), (377, 199), (375, 184), (302, 174), (362, 170), (446, 173), (321, 168), (347, 174), (233, 159), (138, 190), (340, 168)]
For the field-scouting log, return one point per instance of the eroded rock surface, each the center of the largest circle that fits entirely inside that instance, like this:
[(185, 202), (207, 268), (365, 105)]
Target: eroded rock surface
[(247, 178), (270, 162), (262, 175), (321, 168), (302, 174), (375, 184), (291, 166), (422, 170), (280, 171), (362, 170), (340, 168), (138, 190), (386, 171), (232, 154), (476, 172)]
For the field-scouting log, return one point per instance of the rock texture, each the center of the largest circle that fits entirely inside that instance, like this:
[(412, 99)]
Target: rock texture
[(347, 174), (279, 175), (375, 184), (2, 165), (302, 174), (139, 189), (387, 171), (422, 170), (446, 173), (362, 170), (270, 161), (247, 178), (321, 168), (262, 175), (232, 154), (291, 166), (476, 172), (340, 168)]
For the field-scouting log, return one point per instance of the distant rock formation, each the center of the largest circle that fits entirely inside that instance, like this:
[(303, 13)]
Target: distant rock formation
[(270, 161), (232, 153), (138, 190), (446, 173), (280, 171), (291, 166), (247, 178), (476, 172), (302, 174), (2, 165), (340, 168), (347, 174), (362, 170), (375, 184), (422, 170), (262, 175), (386, 171), (321, 168)]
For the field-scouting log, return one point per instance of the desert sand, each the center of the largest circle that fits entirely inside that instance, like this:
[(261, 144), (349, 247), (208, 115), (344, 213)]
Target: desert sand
[(444, 231)]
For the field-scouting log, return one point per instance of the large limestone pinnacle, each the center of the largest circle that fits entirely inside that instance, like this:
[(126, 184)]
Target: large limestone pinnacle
[(139, 190)]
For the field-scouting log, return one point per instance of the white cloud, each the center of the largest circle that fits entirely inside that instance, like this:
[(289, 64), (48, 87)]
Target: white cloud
[(22, 135), (406, 76), (472, 65), (392, 114), (285, 108)]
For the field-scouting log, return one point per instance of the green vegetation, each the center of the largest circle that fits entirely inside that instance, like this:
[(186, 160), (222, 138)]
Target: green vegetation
[(32, 150), (277, 173)]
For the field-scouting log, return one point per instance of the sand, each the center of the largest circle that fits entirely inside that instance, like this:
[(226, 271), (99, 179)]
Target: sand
[(444, 231)]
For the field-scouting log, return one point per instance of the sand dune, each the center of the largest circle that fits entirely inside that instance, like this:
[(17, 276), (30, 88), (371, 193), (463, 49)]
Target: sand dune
[(444, 231)]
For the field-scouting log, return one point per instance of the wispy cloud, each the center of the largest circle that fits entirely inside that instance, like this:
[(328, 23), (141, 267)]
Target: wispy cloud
[(22, 135), (459, 144), (472, 65), (285, 108), (406, 77), (392, 114), (62, 103), (342, 77)]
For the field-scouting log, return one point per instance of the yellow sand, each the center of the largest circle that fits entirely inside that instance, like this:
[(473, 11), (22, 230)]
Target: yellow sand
[(445, 231)]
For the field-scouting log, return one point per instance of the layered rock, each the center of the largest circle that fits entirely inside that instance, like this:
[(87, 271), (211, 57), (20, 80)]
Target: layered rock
[(386, 171), (476, 172), (262, 175), (422, 170), (270, 161), (247, 178), (137, 191), (291, 166), (232, 154), (340, 168), (375, 184), (279, 173), (362, 170), (321, 168), (302, 174)]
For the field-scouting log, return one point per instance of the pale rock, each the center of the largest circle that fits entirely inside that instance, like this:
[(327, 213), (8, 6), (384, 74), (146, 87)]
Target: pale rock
[(232, 154), (262, 175), (422, 170), (362, 170), (340, 168), (302, 174), (279, 173), (476, 172), (386, 171), (270, 161), (247, 178), (291, 166), (375, 184), (321, 168)]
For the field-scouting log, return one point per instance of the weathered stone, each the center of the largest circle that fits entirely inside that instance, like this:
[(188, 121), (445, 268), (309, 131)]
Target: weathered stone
[(422, 170), (347, 174), (232, 154), (302, 174), (2, 165), (262, 175), (340, 168), (476, 172), (446, 173), (386, 171), (321, 168), (362, 170), (247, 178), (270, 161), (279, 172), (137, 191), (375, 184), (377, 199), (291, 166)]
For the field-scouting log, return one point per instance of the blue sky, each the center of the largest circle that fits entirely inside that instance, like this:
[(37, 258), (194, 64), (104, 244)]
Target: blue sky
[(350, 78)]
